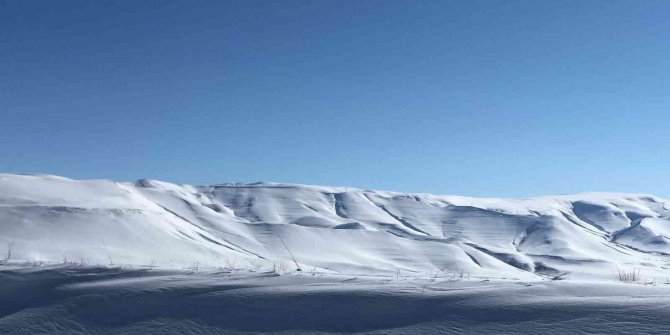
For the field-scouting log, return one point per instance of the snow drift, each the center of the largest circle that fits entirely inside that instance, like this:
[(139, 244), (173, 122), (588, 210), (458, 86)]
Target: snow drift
[(335, 229), (71, 299)]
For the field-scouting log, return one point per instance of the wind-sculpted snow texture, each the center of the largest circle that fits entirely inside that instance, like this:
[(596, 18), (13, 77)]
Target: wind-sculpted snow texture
[(331, 229), (70, 299)]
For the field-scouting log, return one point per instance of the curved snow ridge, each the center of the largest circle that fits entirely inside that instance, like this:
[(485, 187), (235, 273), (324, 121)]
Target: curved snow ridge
[(342, 229)]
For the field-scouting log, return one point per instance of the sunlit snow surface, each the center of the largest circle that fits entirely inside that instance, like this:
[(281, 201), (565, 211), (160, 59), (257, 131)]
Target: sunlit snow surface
[(343, 230), (100, 256)]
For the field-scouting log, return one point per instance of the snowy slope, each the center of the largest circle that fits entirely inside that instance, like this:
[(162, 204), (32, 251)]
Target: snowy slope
[(344, 230)]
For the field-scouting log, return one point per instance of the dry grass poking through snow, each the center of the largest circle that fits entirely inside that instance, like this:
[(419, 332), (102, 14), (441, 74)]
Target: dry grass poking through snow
[(628, 276), (8, 255), (634, 276)]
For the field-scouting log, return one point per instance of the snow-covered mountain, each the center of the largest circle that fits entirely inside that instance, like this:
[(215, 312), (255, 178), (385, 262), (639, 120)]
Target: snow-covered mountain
[(55, 219)]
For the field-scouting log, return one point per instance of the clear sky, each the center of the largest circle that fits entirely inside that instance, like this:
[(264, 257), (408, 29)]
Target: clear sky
[(484, 98)]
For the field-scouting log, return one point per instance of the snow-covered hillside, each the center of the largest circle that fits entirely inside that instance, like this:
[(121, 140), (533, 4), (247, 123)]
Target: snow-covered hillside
[(344, 230)]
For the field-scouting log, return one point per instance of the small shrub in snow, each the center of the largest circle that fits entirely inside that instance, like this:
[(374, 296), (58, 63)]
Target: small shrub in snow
[(281, 267), (255, 266), (8, 255), (629, 276), (230, 265)]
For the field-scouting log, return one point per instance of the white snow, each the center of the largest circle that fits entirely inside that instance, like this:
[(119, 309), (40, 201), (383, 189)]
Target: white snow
[(150, 257), (333, 229), (68, 299)]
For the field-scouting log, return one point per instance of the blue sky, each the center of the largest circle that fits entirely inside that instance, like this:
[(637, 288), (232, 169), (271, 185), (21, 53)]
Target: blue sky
[(483, 98)]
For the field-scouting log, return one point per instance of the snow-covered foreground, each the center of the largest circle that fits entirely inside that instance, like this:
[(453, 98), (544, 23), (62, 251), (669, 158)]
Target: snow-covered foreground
[(98, 256), (87, 300)]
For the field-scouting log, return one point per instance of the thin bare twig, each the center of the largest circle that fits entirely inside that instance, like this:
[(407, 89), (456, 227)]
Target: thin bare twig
[(290, 253)]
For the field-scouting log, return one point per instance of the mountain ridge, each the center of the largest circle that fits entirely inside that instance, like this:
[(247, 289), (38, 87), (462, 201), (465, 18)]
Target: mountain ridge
[(341, 229)]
